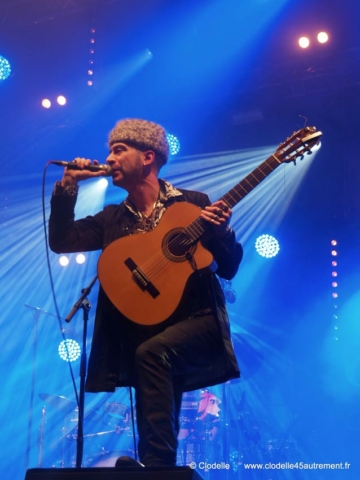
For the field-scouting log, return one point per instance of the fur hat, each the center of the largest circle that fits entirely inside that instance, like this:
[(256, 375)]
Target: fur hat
[(141, 133)]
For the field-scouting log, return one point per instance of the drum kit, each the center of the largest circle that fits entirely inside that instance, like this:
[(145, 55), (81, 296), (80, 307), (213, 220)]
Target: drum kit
[(199, 423), (204, 433), (113, 420)]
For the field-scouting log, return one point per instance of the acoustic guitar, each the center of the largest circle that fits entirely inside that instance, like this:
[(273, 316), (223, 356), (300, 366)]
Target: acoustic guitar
[(145, 275)]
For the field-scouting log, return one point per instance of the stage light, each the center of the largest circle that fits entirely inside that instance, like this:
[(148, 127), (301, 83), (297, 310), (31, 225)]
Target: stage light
[(61, 100), (89, 83), (334, 253), (334, 295), (90, 72), (80, 258), (316, 147), (64, 261), (103, 183), (304, 42), (333, 242), (69, 350), (334, 263), (267, 246), (334, 274), (322, 37), (46, 103), (5, 68), (174, 144)]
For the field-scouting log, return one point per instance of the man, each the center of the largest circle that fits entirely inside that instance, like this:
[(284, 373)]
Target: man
[(192, 348)]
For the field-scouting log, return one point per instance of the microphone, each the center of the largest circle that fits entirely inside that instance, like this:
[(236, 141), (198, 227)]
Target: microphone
[(91, 168)]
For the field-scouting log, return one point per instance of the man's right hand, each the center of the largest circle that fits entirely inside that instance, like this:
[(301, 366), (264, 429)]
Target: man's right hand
[(73, 177)]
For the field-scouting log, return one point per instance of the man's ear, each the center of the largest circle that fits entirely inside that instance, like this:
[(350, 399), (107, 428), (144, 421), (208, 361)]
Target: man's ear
[(149, 157)]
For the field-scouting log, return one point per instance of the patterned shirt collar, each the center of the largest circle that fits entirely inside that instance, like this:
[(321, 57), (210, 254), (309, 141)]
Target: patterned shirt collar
[(167, 192), (144, 224)]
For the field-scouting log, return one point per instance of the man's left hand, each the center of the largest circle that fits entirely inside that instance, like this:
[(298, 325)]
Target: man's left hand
[(218, 214)]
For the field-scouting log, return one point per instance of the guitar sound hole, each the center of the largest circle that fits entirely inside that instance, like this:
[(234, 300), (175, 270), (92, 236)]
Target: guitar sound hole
[(177, 245)]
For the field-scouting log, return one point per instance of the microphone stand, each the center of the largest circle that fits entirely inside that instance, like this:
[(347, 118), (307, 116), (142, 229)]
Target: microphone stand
[(83, 303)]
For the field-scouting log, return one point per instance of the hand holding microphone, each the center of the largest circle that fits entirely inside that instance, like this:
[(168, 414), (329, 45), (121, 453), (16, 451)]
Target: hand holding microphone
[(81, 169)]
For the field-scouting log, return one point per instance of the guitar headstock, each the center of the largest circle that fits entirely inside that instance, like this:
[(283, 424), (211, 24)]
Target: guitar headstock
[(299, 143)]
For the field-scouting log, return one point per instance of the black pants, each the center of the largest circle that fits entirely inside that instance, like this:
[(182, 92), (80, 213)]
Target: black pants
[(160, 364)]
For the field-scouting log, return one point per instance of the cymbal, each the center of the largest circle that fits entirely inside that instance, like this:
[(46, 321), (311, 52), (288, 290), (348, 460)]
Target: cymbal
[(39, 311), (116, 409), (59, 402)]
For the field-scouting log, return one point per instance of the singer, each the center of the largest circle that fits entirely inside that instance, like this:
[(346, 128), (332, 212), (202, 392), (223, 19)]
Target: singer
[(191, 349)]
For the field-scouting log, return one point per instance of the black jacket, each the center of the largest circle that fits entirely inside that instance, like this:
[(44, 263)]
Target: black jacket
[(115, 338)]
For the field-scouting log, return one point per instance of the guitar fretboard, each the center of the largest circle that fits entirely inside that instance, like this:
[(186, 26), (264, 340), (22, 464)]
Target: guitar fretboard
[(198, 227)]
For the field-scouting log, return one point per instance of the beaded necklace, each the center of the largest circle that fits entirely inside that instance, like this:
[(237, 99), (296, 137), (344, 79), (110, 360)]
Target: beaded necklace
[(148, 222)]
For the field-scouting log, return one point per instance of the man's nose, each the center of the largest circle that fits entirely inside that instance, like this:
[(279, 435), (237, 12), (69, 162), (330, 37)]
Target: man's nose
[(110, 159)]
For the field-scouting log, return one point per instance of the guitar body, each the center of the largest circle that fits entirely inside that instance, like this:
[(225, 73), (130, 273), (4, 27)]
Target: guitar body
[(145, 275)]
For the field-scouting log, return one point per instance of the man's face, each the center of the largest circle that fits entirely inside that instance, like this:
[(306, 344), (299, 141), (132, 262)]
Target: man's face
[(127, 164)]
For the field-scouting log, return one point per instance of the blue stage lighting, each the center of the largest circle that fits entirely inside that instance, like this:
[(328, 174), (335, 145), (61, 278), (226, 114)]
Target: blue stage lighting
[(5, 69), (69, 350), (267, 246), (80, 258), (174, 144)]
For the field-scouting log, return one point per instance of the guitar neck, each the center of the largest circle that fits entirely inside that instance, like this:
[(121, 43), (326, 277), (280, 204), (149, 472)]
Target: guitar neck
[(241, 189), (198, 227)]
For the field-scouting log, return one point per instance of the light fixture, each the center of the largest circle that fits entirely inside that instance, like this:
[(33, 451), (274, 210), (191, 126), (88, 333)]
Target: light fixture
[(61, 100), (80, 258), (5, 68), (69, 350), (174, 144), (46, 103), (267, 246), (64, 261), (322, 37), (304, 42)]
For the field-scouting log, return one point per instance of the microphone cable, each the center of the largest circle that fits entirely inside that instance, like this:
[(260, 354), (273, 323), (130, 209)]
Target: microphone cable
[(53, 287)]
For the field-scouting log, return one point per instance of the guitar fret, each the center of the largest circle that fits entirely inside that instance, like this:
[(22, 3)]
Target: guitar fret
[(195, 229), (234, 193), (233, 196), (247, 181), (189, 231), (260, 170), (274, 156), (250, 181), (240, 185)]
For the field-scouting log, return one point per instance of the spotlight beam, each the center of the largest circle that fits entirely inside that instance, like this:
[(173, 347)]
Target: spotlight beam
[(266, 204)]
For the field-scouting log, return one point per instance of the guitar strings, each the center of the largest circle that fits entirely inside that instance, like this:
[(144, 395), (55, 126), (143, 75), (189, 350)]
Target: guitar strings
[(155, 264)]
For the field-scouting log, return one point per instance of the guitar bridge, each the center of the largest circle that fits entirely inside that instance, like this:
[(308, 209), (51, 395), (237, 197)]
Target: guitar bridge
[(141, 279)]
